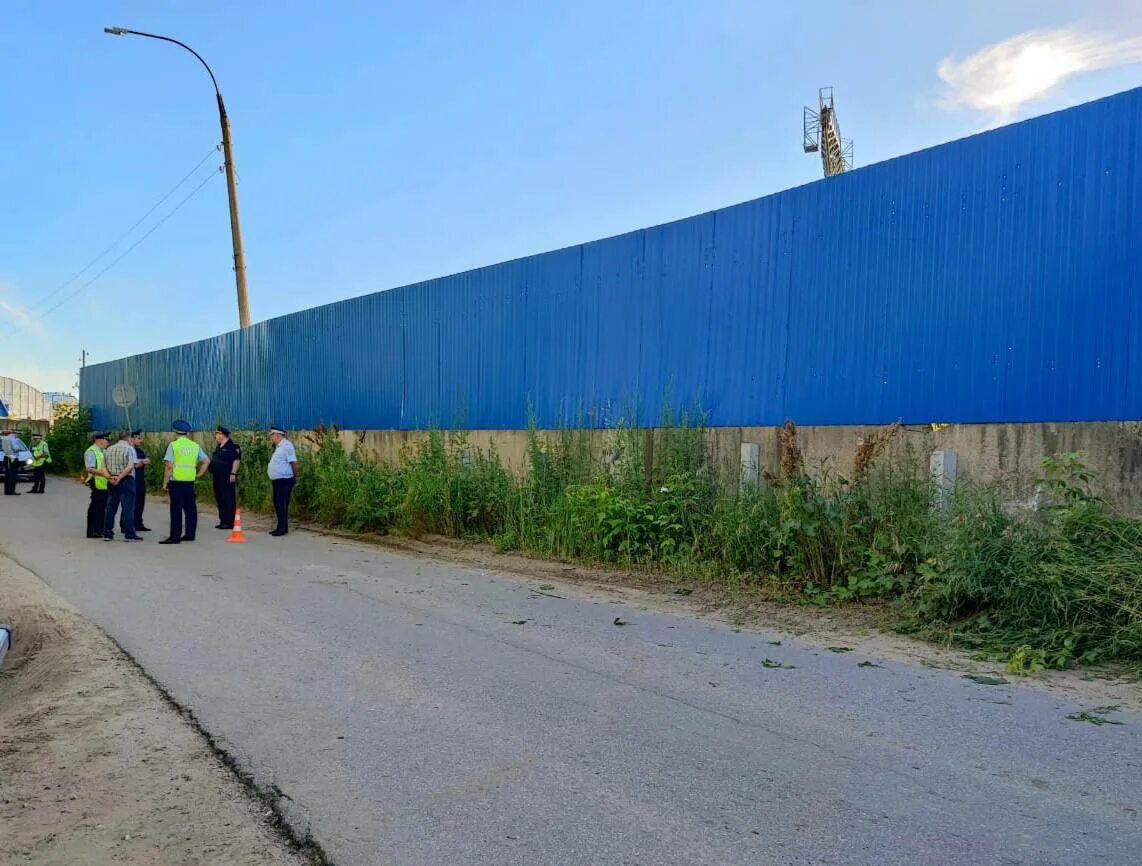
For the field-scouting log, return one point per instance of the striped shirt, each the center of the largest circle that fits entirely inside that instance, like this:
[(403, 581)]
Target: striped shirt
[(119, 456)]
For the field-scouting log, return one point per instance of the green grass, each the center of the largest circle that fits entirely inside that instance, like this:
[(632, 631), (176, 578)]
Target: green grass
[(1059, 586)]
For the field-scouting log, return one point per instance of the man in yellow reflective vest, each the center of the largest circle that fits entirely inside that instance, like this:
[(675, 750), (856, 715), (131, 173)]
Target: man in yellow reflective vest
[(184, 463), (41, 456), (98, 480)]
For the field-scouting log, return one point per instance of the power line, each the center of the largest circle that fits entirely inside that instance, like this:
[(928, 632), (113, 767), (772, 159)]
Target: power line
[(131, 248), (42, 299)]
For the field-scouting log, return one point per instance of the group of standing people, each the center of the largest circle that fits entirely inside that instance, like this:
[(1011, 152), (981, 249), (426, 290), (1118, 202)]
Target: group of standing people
[(116, 477)]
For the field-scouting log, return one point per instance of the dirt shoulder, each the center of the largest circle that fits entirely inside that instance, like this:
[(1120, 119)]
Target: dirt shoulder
[(97, 767)]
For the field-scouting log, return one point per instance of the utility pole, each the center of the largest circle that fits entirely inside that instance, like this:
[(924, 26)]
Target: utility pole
[(235, 227), (82, 364), (231, 186)]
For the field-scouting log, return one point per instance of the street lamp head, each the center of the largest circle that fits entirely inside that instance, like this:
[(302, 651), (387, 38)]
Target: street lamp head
[(116, 31)]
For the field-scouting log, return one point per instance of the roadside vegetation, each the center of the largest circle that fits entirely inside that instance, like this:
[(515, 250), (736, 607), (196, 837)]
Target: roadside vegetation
[(1046, 588), (70, 436)]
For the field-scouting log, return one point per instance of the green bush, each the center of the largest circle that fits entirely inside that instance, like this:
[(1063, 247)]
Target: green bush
[(452, 489), (1059, 586), (69, 438), (374, 504)]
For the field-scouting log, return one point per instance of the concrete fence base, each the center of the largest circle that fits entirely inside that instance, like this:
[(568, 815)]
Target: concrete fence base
[(1005, 454)]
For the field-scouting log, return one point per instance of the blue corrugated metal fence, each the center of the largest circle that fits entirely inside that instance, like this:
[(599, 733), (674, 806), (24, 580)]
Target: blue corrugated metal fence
[(992, 279)]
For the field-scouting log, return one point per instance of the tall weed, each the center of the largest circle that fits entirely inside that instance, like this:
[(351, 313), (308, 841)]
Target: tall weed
[(1058, 586)]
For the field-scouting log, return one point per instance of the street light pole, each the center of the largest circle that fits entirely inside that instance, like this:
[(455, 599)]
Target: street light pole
[(231, 186)]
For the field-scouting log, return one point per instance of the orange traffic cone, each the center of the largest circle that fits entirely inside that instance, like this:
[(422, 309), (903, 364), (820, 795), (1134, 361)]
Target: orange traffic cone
[(236, 535)]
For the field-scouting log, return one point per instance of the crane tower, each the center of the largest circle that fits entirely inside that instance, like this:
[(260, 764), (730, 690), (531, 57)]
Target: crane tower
[(823, 135)]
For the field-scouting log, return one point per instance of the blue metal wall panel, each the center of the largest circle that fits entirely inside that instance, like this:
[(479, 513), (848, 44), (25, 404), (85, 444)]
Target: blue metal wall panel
[(991, 279)]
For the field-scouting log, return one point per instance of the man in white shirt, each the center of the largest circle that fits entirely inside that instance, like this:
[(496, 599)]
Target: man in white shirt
[(283, 475)]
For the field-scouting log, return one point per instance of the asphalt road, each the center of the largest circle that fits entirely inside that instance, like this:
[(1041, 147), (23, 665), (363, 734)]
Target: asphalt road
[(409, 720)]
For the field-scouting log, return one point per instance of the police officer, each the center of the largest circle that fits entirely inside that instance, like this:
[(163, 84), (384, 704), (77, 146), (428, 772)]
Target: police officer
[(98, 481), (283, 475), (11, 451), (224, 465), (184, 463), (141, 463), (41, 456)]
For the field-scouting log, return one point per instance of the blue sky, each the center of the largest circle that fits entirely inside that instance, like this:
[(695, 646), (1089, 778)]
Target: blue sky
[(382, 143)]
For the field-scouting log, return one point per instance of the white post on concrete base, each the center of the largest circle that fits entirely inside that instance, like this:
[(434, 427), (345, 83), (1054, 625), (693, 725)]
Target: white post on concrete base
[(750, 465), (942, 465)]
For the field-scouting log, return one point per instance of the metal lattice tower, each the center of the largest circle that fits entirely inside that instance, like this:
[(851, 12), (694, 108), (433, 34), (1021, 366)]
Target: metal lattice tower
[(823, 135)]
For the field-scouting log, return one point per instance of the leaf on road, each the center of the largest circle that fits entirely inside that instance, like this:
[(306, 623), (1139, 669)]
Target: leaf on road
[(868, 665), (683, 591), (839, 649), (519, 622), (985, 680), (775, 643), (547, 586), (620, 621), (1094, 717), (770, 663)]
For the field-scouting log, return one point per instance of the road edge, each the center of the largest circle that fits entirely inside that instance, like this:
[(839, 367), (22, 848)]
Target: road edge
[(297, 838)]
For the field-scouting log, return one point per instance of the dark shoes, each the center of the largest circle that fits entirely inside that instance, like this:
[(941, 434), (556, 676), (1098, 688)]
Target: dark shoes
[(278, 533), (170, 541), (222, 526), (142, 529)]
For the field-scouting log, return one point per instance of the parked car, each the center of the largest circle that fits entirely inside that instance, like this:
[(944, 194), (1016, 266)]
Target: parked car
[(24, 458)]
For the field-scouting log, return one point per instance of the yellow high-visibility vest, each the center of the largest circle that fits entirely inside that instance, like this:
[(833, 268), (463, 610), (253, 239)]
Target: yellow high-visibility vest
[(183, 467), (100, 481)]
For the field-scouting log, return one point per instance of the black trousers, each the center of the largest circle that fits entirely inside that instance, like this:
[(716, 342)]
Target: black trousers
[(283, 490), (39, 478), (140, 498), (121, 494), (96, 511), (183, 505), (10, 467), (226, 495)]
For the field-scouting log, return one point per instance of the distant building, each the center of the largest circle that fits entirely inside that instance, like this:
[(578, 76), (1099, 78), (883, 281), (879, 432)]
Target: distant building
[(54, 398), (60, 400), (23, 402)]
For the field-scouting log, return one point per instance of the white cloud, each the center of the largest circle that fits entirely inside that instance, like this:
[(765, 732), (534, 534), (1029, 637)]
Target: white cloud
[(32, 352), (1003, 77), (18, 316)]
